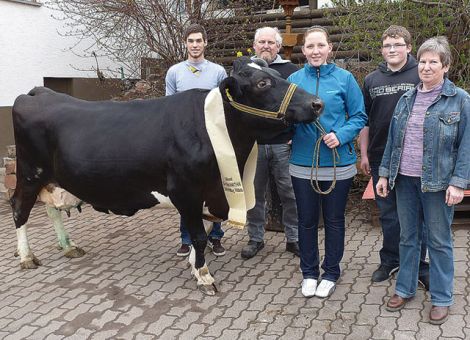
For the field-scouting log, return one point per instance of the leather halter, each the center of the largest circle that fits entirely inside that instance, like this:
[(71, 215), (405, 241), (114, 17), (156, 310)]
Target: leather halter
[(264, 113)]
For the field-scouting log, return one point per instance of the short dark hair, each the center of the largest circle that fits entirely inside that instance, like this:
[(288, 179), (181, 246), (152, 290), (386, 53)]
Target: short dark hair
[(195, 28), (396, 31)]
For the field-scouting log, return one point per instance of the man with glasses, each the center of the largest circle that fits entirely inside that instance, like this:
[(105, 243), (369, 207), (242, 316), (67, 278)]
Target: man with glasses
[(382, 90)]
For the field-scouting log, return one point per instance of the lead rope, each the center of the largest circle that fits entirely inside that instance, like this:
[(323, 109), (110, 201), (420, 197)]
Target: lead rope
[(316, 151)]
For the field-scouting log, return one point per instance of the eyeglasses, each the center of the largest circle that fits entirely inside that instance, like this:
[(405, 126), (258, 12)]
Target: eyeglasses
[(394, 46)]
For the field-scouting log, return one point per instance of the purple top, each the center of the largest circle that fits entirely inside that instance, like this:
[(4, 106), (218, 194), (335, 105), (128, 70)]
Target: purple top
[(412, 157)]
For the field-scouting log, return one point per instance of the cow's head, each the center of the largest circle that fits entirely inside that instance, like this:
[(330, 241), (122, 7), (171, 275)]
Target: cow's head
[(255, 89)]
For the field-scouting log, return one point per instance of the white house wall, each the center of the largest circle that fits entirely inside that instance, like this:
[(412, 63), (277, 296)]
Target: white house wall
[(31, 49)]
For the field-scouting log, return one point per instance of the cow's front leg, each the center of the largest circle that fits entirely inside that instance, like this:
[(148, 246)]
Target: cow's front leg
[(199, 269), (70, 249)]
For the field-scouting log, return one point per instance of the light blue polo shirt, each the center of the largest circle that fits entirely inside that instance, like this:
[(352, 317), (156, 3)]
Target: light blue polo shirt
[(187, 75)]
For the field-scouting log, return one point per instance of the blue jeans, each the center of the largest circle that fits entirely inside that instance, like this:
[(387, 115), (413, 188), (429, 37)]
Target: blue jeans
[(389, 254), (273, 159), (333, 207), (416, 208), (216, 232)]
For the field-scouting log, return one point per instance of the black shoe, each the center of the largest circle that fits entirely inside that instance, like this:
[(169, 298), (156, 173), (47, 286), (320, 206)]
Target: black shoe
[(293, 247), (217, 248), (251, 249), (383, 273), (423, 280)]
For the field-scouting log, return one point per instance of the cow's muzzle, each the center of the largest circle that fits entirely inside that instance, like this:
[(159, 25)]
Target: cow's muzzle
[(278, 115)]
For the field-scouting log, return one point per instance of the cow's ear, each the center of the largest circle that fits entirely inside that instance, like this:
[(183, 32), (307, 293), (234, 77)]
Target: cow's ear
[(260, 62), (230, 87), (239, 63)]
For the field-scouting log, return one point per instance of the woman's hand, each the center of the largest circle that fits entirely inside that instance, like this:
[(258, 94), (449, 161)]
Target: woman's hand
[(382, 187), (331, 140), (454, 195)]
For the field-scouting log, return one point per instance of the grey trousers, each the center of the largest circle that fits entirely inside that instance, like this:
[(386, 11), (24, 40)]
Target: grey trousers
[(273, 159)]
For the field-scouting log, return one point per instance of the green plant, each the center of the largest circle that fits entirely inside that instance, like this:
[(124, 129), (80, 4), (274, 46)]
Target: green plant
[(362, 22)]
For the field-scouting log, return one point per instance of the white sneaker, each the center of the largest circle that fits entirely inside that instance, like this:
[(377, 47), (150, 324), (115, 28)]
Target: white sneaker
[(309, 286), (325, 288)]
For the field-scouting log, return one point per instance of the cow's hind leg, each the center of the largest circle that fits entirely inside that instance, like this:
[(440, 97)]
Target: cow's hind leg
[(71, 250), (22, 202), (27, 258)]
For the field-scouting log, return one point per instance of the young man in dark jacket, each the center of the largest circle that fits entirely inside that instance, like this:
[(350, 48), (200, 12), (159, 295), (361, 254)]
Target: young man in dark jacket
[(382, 90)]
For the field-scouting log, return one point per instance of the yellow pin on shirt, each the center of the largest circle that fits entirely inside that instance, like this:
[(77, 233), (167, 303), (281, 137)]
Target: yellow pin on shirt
[(194, 70)]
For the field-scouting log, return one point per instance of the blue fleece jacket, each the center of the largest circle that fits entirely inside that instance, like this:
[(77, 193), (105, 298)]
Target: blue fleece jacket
[(344, 114)]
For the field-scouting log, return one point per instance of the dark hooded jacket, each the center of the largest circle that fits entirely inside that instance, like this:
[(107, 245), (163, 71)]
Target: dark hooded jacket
[(382, 90)]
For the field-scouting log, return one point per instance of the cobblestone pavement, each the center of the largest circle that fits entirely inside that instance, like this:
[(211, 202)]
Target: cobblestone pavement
[(130, 285)]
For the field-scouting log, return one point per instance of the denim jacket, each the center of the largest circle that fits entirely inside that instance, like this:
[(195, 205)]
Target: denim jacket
[(446, 139)]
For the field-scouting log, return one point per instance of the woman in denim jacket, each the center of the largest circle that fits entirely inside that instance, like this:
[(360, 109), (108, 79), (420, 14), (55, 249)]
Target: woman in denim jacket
[(425, 160)]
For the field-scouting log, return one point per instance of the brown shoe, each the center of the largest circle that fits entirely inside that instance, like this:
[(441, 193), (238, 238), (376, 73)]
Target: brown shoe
[(395, 303), (438, 315), (184, 250)]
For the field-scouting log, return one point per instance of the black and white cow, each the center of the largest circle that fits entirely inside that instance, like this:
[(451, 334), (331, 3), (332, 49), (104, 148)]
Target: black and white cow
[(113, 155)]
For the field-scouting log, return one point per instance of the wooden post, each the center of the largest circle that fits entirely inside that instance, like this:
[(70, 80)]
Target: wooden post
[(289, 39)]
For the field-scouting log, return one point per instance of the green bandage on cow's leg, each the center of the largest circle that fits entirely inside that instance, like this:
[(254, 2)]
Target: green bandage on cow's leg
[(65, 243)]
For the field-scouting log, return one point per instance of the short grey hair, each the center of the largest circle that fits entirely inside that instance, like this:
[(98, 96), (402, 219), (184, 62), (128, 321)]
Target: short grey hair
[(438, 45), (267, 29)]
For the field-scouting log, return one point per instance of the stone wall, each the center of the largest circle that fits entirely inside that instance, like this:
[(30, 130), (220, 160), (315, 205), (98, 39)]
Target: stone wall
[(8, 173)]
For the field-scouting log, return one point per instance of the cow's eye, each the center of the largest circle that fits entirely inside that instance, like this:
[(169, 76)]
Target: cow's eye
[(263, 83)]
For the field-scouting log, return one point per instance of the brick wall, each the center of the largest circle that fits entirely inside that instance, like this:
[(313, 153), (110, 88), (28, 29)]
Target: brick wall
[(8, 173)]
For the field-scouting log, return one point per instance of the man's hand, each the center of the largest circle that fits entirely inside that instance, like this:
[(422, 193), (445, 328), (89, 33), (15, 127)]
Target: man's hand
[(382, 187), (331, 140), (454, 195), (365, 167)]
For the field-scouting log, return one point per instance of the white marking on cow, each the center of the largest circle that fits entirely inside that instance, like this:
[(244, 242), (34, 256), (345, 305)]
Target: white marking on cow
[(24, 251), (256, 66), (202, 275), (165, 201), (38, 172)]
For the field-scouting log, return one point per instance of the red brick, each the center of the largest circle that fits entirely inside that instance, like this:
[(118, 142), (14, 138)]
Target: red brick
[(10, 167), (10, 181)]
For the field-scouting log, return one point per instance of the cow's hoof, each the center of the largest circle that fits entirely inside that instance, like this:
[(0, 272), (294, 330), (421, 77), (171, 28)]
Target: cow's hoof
[(32, 263), (210, 290), (74, 252)]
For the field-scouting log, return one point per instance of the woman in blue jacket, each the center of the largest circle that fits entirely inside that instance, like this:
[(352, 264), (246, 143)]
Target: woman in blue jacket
[(315, 168)]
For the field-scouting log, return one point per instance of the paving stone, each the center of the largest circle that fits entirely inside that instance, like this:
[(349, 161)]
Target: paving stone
[(353, 302), (292, 333), (452, 328), (405, 335), (384, 328), (368, 314), (343, 322), (159, 326), (130, 285), (359, 332), (23, 333), (217, 328), (184, 322), (428, 331)]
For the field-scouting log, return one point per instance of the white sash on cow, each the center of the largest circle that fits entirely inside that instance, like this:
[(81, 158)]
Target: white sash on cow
[(240, 193)]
